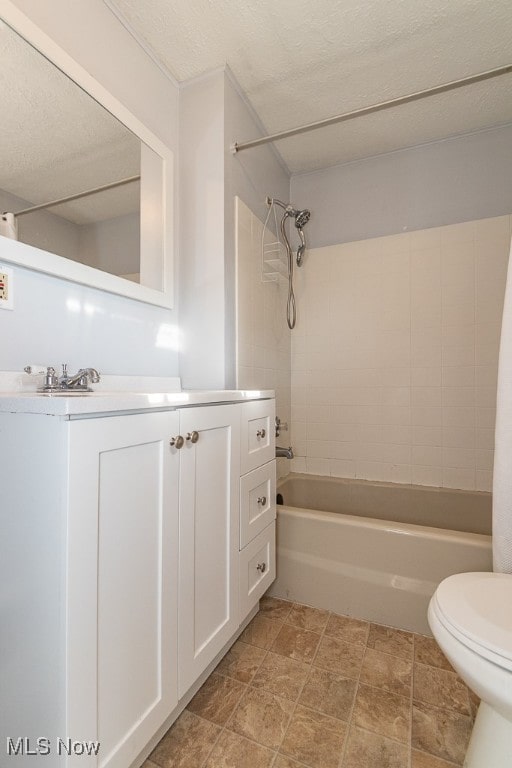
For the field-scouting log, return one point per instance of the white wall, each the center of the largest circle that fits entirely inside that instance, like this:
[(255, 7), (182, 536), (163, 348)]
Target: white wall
[(395, 356), (459, 179), (212, 115), (201, 211), (113, 334)]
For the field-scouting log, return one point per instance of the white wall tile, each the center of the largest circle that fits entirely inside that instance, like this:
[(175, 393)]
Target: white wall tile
[(395, 356), (484, 438), (459, 457), (342, 468), (427, 435), (459, 437), (454, 477), (430, 396), (427, 455), (458, 396), (484, 459), (458, 375), (497, 228), (483, 480), (318, 466), (426, 377), (427, 475)]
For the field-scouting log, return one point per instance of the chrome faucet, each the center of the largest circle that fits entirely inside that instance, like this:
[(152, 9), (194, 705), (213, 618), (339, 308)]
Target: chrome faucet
[(282, 453), (80, 381)]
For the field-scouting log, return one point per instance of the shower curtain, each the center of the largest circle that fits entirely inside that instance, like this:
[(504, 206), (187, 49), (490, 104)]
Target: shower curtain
[(502, 480)]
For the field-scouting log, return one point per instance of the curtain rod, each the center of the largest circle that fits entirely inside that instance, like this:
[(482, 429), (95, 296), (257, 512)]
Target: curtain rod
[(238, 147), (68, 199)]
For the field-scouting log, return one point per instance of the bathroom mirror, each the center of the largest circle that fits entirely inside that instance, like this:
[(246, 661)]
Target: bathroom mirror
[(65, 136)]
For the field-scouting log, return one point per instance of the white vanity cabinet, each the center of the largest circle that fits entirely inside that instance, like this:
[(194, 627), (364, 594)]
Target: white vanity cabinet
[(90, 551), (122, 555), (209, 533), (121, 570), (257, 502)]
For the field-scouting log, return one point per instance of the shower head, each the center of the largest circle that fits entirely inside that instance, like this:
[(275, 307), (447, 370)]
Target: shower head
[(301, 217)]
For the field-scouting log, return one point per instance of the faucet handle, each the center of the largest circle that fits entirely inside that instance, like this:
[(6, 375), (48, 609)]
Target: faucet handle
[(281, 425), (64, 370)]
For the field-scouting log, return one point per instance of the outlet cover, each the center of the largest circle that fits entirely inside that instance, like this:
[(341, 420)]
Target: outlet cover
[(6, 288)]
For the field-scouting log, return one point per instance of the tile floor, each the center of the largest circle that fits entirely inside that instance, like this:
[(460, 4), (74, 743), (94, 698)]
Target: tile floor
[(305, 687)]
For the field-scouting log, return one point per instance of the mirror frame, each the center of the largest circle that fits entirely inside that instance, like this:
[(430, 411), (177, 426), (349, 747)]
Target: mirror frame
[(37, 259)]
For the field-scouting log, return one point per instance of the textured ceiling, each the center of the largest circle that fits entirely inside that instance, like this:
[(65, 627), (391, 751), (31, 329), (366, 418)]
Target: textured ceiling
[(56, 140), (300, 61)]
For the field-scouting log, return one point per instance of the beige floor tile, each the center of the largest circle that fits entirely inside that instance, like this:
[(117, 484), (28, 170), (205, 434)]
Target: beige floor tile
[(261, 717), (286, 762), (369, 750), (187, 744), (241, 662), (314, 739), (427, 651), (217, 698), (281, 675), (308, 618), (339, 657), (347, 629), (390, 673), (296, 643), (339, 670), (382, 712), (393, 641), (329, 693), (474, 702), (422, 760), (261, 632), (440, 732), (440, 688), (233, 751), (273, 608)]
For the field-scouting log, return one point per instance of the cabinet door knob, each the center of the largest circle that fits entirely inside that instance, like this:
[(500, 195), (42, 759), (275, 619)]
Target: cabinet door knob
[(177, 442), (193, 436), (261, 567), (262, 500), (261, 433)]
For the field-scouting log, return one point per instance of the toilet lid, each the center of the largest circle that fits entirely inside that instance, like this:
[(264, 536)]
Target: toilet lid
[(479, 607)]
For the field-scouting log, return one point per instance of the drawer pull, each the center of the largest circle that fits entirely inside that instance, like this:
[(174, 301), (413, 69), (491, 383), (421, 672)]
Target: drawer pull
[(261, 433), (177, 442), (262, 500), (261, 567), (193, 436)]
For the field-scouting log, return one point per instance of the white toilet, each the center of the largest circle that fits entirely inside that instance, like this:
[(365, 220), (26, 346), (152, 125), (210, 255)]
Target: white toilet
[(470, 615)]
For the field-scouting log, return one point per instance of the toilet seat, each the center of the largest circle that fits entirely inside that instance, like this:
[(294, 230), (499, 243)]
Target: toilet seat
[(476, 608)]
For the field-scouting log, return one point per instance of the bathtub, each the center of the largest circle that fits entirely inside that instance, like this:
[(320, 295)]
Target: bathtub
[(376, 551)]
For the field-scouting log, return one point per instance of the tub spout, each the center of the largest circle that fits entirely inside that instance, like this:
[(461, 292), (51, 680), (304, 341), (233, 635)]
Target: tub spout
[(284, 453)]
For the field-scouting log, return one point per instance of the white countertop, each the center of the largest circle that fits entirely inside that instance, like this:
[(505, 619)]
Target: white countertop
[(120, 401)]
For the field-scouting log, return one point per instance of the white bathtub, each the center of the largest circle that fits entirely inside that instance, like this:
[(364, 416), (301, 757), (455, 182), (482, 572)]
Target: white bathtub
[(385, 570)]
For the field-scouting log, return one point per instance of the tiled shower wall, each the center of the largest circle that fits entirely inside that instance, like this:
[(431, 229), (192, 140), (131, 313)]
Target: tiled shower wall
[(394, 357), (263, 337)]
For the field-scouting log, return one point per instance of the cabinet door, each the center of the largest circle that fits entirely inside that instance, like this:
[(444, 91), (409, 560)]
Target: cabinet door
[(209, 534), (122, 582)]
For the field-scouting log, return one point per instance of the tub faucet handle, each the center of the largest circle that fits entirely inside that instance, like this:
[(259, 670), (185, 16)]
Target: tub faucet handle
[(281, 425)]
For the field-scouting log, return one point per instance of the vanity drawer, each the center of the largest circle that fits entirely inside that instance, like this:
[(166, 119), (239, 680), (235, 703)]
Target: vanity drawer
[(257, 568), (257, 434), (257, 501)]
